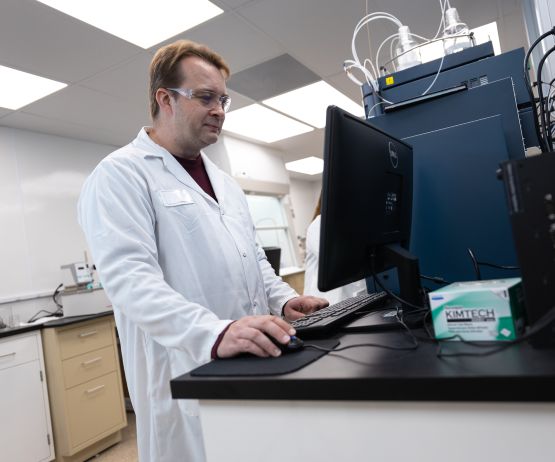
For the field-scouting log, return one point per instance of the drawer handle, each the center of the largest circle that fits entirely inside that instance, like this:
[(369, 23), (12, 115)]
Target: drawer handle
[(91, 361), (8, 354), (88, 334), (95, 389)]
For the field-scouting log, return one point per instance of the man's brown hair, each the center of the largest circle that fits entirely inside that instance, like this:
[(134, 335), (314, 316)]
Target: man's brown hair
[(165, 71)]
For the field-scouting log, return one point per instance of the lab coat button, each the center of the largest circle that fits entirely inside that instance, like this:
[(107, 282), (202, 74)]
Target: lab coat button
[(245, 254)]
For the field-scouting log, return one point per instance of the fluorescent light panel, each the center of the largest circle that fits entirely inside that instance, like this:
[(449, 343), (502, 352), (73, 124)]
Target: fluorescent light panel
[(309, 165), (309, 103), (135, 21), (21, 88), (263, 124)]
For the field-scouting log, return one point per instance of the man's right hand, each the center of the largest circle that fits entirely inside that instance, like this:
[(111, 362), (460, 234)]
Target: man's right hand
[(250, 335)]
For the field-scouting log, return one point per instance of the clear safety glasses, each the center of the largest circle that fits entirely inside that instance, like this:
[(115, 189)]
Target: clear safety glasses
[(207, 98)]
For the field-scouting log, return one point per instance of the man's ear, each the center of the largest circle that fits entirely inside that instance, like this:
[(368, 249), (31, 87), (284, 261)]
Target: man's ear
[(164, 100)]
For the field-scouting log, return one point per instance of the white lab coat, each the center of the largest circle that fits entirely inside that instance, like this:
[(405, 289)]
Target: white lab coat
[(311, 270), (178, 267)]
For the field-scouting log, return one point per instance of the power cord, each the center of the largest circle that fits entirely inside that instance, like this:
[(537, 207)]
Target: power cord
[(541, 139), (58, 312), (476, 263), (399, 318)]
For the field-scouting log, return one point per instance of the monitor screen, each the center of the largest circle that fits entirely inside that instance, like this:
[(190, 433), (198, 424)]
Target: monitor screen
[(366, 202)]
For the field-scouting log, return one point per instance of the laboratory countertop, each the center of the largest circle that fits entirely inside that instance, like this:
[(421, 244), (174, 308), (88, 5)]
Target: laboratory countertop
[(517, 373), (9, 331)]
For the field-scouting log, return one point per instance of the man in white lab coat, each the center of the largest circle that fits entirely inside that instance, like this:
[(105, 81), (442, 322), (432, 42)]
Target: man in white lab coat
[(174, 244)]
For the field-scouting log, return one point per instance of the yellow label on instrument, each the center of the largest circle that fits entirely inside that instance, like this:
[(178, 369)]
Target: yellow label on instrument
[(389, 80)]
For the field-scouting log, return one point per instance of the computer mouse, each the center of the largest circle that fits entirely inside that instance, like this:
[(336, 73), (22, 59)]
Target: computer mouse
[(294, 344)]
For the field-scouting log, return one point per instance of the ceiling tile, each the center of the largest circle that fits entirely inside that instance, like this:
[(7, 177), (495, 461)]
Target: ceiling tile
[(240, 44), (232, 4), (237, 100), (63, 128), (128, 80), (271, 78), (48, 43), (316, 32), (297, 147), (89, 108)]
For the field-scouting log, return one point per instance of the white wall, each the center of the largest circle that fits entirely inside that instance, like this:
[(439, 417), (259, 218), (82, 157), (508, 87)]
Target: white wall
[(242, 159), (40, 180), (304, 196)]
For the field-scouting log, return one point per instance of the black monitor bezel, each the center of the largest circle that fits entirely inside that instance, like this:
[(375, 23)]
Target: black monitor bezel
[(327, 278)]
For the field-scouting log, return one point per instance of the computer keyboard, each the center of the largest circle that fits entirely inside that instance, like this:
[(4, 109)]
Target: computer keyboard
[(338, 314)]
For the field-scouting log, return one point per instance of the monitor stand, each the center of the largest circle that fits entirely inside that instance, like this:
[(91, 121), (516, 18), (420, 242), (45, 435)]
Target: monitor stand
[(381, 320)]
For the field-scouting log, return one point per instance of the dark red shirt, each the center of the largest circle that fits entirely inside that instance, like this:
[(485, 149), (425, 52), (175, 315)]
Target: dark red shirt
[(198, 172)]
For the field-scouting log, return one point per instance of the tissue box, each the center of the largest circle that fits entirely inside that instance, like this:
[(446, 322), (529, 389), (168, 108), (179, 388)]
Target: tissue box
[(479, 310)]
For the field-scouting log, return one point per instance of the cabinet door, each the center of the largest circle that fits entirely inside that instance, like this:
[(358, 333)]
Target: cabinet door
[(24, 421)]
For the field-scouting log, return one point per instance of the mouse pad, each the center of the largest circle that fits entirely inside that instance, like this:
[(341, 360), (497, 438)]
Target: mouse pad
[(253, 365)]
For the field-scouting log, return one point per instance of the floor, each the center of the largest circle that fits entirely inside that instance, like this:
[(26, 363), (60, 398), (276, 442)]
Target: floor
[(126, 449)]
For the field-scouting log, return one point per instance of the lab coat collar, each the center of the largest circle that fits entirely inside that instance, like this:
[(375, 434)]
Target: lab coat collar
[(152, 149)]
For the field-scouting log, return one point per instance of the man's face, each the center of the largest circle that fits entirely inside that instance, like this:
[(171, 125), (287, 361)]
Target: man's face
[(197, 125)]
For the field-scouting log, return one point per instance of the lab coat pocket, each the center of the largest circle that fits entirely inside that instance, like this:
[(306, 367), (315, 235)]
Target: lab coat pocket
[(180, 209), (175, 197)]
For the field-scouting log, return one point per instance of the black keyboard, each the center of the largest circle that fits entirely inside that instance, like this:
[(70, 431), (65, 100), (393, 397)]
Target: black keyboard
[(339, 314)]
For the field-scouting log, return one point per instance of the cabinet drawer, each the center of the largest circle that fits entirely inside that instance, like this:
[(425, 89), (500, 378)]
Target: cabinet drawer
[(83, 368), (17, 350), (79, 340), (94, 408)]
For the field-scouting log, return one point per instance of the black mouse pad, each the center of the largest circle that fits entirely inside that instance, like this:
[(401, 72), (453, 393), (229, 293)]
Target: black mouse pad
[(253, 365)]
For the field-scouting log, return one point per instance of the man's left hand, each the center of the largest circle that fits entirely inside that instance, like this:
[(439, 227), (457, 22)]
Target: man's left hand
[(301, 306)]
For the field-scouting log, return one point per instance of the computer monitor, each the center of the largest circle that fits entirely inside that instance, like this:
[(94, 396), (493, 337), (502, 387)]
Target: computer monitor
[(366, 206)]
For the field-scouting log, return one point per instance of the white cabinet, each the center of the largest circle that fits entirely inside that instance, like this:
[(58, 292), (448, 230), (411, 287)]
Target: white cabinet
[(25, 428)]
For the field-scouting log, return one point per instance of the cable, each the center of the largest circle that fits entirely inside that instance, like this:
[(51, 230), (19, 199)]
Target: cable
[(391, 37), (358, 345), (400, 320), (370, 78), (427, 43), (435, 279), (388, 292), (56, 293), (435, 78), (47, 313), (442, 22), (475, 264), (57, 312), (543, 144), (493, 265), (373, 107), (543, 120)]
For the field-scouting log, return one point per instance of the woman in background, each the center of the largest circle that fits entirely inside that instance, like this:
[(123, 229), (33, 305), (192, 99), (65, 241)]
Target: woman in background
[(311, 266)]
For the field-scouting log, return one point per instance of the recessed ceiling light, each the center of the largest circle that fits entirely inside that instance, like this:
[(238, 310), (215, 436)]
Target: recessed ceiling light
[(309, 165), (134, 20), (21, 88), (309, 103), (263, 124)]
